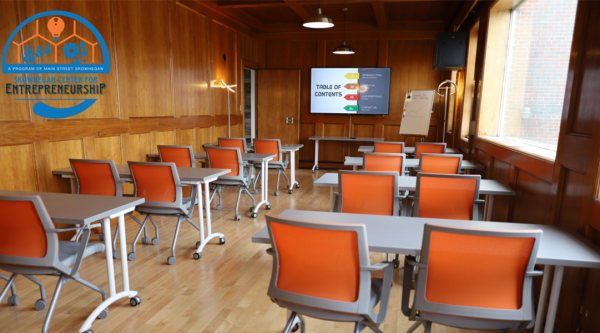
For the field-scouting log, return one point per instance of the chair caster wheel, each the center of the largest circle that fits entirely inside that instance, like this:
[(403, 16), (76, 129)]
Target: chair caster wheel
[(198, 243), (197, 256), (89, 331), (276, 193), (171, 260), (289, 191), (101, 237), (135, 301), (103, 314), (222, 240), (131, 256), (154, 241), (396, 263), (252, 208), (253, 215), (296, 327), (268, 206), (40, 304), (255, 192), (297, 185), (218, 207), (144, 240), (115, 254), (237, 218), (13, 300)]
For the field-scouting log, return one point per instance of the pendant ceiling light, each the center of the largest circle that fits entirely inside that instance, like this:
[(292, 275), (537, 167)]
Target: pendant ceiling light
[(344, 49), (318, 21)]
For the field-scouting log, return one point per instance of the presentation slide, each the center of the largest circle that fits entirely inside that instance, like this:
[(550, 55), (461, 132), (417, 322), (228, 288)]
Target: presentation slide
[(350, 90)]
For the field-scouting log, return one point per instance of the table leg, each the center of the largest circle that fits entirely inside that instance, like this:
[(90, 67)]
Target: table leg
[(543, 302), (490, 207), (554, 294), (264, 191), (316, 166), (332, 198), (355, 167), (210, 235), (293, 170)]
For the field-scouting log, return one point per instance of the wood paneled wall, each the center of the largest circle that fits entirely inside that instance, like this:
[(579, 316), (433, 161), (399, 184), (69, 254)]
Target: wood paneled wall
[(410, 57), (167, 57)]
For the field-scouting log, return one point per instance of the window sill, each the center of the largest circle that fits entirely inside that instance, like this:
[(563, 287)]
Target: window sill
[(537, 152)]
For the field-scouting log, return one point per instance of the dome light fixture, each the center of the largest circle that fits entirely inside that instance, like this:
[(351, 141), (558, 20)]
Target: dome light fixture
[(318, 21), (344, 49)]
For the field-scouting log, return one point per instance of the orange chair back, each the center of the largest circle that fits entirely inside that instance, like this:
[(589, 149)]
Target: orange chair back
[(368, 194), (95, 178), (267, 147), (390, 148), (317, 262), (23, 234), (224, 159), (477, 270), (447, 198), (386, 163), (154, 182), (424, 148), (440, 164), (233, 143), (180, 156)]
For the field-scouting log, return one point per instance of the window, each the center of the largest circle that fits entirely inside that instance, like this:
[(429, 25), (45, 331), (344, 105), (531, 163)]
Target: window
[(541, 32)]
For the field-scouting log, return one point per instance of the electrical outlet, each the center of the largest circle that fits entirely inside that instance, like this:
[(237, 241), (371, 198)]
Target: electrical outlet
[(289, 120)]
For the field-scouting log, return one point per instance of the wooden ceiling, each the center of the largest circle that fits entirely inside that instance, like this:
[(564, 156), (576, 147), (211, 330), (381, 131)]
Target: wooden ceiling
[(287, 16)]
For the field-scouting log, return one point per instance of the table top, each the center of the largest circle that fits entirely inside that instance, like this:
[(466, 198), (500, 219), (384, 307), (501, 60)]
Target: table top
[(185, 174), (414, 163), (344, 138), (407, 150), (409, 183), (79, 208), (404, 235), (285, 147), (248, 157)]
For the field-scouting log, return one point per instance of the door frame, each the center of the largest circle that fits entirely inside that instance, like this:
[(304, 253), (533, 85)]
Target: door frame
[(246, 64)]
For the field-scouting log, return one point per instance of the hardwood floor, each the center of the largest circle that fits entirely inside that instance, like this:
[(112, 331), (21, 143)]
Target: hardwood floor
[(224, 291)]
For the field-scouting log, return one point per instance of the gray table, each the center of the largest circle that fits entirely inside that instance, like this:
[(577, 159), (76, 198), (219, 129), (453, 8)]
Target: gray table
[(84, 210), (317, 138), (414, 163), (559, 247), (407, 150), (192, 176), (487, 187)]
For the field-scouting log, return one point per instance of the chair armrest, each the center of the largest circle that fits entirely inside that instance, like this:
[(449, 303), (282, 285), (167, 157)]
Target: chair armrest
[(377, 267), (536, 272), (406, 284), (85, 237), (386, 286), (270, 252), (66, 229)]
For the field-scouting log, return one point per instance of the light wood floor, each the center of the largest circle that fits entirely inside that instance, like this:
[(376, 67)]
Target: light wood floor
[(224, 291)]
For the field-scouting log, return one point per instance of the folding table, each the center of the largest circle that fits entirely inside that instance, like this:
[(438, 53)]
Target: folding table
[(193, 176), (407, 150), (84, 210), (559, 247), (355, 162), (488, 187), (318, 138)]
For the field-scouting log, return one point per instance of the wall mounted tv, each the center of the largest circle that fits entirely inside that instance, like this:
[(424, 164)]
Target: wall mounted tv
[(363, 91)]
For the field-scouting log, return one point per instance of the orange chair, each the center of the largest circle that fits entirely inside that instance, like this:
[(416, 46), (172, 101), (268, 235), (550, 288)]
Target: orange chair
[(182, 156), (364, 192), (100, 177), (234, 143), (430, 148), (447, 197), (449, 164), (29, 245), (240, 175), (473, 279), (389, 147), (272, 146), (322, 270), (159, 185), (384, 162)]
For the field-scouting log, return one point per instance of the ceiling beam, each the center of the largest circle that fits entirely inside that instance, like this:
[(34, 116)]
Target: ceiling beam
[(357, 27), (298, 9), (236, 15), (247, 4), (462, 15), (379, 10)]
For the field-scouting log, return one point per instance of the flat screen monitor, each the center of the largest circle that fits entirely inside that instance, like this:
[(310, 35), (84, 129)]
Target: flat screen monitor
[(363, 91)]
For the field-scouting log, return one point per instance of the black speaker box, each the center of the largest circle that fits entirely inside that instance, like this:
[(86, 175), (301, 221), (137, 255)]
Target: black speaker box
[(451, 51)]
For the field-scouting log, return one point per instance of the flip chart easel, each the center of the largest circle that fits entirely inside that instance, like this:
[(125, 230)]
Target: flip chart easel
[(416, 115)]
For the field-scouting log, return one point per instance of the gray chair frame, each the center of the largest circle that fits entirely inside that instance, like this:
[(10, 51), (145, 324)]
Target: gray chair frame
[(417, 144), (424, 312), (190, 148), (477, 213), (389, 142), (14, 299), (359, 312), (51, 263), (280, 166), (242, 181), (119, 193), (178, 208), (459, 156)]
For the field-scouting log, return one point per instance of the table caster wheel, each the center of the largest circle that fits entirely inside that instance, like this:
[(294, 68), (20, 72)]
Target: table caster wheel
[(218, 207), (276, 193), (237, 218), (296, 327), (135, 301), (297, 185), (13, 300), (115, 254), (255, 192), (197, 256), (253, 215), (131, 256), (144, 240), (198, 243), (268, 206), (103, 314), (252, 208), (101, 237), (171, 260), (289, 191), (89, 331), (154, 241), (222, 240), (317, 168), (40, 304)]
